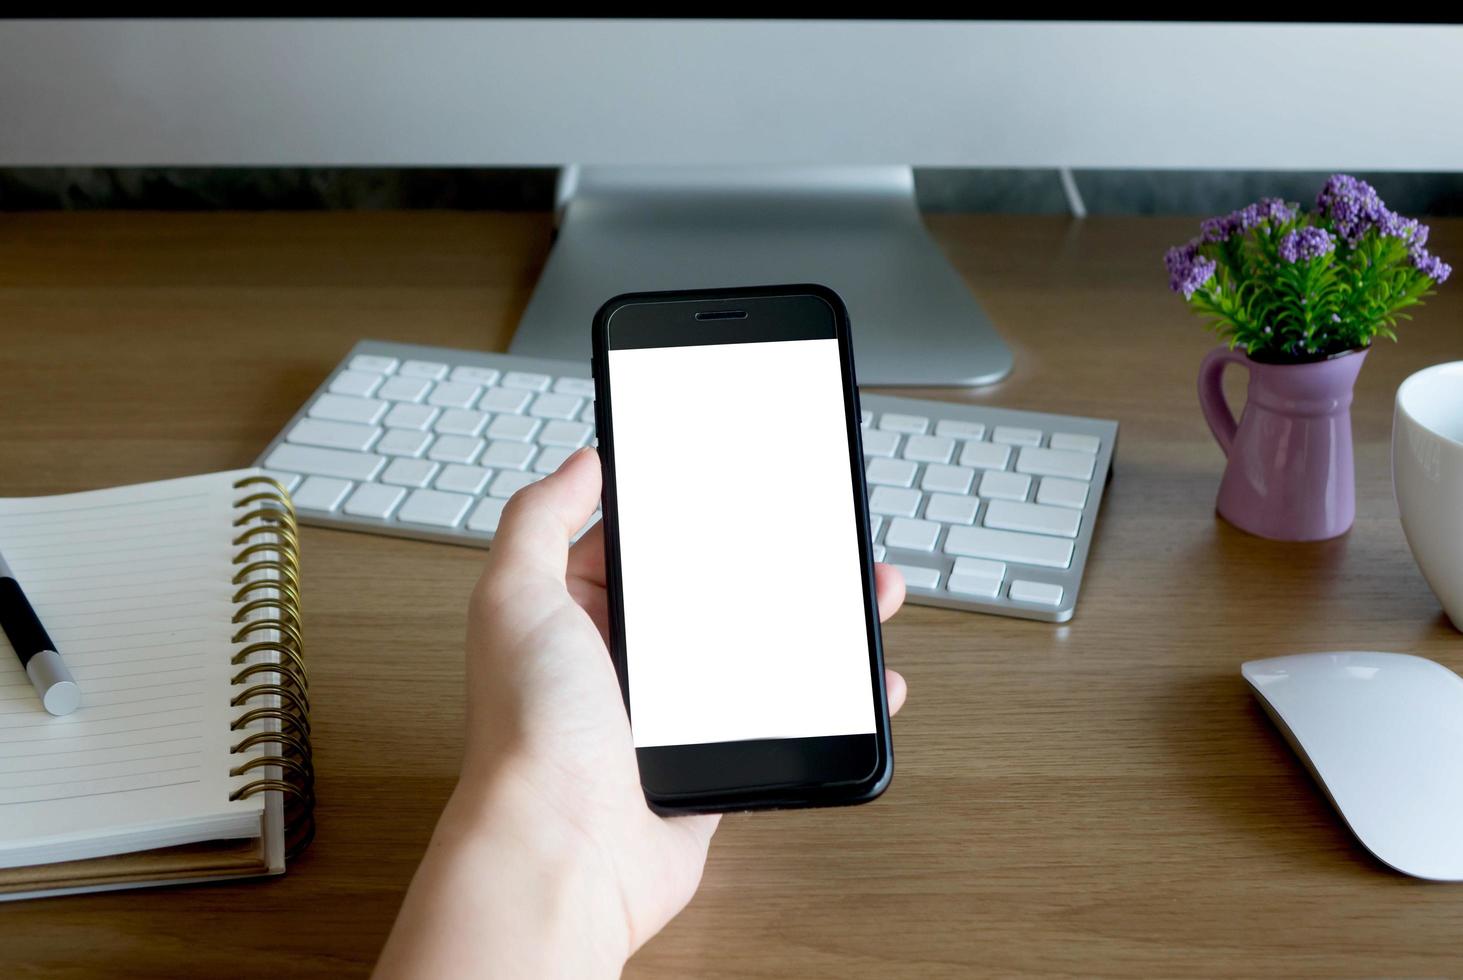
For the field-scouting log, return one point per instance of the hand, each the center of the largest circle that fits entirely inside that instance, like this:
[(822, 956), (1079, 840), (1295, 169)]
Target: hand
[(549, 758)]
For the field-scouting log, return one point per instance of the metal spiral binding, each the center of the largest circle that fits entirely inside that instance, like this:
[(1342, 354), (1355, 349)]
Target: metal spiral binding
[(274, 685)]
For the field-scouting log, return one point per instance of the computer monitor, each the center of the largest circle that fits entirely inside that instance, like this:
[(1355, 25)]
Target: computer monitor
[(713, 153)]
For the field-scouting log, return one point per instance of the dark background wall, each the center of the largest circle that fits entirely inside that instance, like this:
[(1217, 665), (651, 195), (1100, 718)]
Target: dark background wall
[(1010, 191)]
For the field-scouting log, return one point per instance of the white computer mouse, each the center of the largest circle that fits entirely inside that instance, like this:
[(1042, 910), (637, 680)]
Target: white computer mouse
[(1383, 735)]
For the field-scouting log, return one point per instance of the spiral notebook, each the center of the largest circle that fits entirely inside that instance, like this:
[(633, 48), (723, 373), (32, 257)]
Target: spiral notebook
[(176, 607)]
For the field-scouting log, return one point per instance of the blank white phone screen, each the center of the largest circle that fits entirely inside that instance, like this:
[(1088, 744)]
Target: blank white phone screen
[(743, 591)]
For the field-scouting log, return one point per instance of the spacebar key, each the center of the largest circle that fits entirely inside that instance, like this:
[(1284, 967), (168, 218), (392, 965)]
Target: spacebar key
[(324, 462), (1029, 549)]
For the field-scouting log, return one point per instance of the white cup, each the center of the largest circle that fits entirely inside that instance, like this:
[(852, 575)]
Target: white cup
[(1427, 475)]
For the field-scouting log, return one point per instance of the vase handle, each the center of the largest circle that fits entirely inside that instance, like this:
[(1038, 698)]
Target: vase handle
[(1211, 395)]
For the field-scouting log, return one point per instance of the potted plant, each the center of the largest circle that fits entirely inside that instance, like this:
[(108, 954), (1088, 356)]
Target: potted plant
[(1299, 299)]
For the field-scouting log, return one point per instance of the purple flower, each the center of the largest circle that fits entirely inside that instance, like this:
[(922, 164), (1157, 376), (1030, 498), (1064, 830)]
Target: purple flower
[(1352, 205), (1269, 209), (1188, 271), (1215, 230), (1390, 224), (1430, 265), (1304, 244)]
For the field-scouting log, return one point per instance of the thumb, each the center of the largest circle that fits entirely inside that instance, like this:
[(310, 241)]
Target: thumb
[(533, 535)]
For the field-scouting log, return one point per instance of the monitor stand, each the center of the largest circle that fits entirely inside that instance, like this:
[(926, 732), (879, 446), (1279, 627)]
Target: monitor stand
[(854, 229)]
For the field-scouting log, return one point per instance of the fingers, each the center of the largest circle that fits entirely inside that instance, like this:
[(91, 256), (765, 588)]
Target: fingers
[(897, 690), (889, 589), (587, 557), (533, 536)]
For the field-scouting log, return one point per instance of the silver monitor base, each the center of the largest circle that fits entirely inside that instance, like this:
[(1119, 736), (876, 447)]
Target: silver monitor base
[(855, 229)]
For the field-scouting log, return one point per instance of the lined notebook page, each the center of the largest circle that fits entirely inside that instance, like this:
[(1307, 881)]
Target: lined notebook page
[(133, 585)]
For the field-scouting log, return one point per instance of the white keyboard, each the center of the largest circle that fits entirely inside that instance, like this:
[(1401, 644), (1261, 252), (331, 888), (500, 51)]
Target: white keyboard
[(981, 508)]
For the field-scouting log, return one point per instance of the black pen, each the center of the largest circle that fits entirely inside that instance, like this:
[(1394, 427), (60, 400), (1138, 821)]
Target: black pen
[(43, 665)]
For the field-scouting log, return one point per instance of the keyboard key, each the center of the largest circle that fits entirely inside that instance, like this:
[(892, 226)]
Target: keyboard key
[(575, 386), (894, 501), (504, 400), (463, 479), (454, 394), (917, 577), (374, 500), (405, 415), (985, 588), (403, 442), (985, 455), (866, 418), (959, 430), (321, 493), (434, 507), (1027, 549), (1061, 493), (976, 576), (904, 423), (570, 434), (891, 472), (424, 369), (880, 443), (343, 408), (287, 480), (1037, 518), (588, 414), (373, 362), (947, 479), (509, 482), (555, 406), (1004, 486), (1076, 443), (324, 462), (929, 449), (518, 428), (455, 449), (527, 380), (876, 521), (461, 422), (508, 455), (550, 459), (1013, 436), (1042, 593), (487, 515), (879, 552), (1056, 462), (914, 535), (951, 509), (979, 567), (359, 384), (409, 472), (399, 389), (474, 375), (333, 435)]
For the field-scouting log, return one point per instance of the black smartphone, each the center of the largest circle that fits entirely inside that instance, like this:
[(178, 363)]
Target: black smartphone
[(740, 569)]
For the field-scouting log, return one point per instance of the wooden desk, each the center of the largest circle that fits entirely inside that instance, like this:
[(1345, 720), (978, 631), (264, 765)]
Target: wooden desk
[(1101, 797)]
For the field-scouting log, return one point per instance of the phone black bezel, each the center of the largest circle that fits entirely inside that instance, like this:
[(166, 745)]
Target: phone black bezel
[(760, 773)]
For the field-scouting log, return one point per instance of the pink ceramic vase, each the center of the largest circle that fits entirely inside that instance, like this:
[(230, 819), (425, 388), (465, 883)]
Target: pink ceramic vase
[(1290, 475)]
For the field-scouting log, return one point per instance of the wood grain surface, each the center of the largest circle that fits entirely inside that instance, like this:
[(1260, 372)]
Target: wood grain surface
[(1102, 797)]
